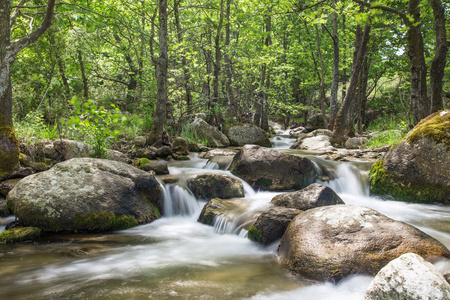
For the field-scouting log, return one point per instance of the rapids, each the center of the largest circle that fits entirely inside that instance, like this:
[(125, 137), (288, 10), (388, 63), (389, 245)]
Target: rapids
[(176, 257)]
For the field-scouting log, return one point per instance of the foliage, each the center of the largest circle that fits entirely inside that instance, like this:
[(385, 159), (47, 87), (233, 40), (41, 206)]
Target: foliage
[(34, 125), (188, 133), (387, 131), (97, 125)]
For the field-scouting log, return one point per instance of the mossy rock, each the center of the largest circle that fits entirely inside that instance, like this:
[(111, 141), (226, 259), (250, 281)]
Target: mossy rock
[(416, 169), (9, 150), (20, 234), (103, 221), (142, 162)]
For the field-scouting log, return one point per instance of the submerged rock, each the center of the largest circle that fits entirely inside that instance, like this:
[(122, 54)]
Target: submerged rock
[(408, 277), (228, 208), (52, 200), (269, 169), (417, 169), (333, 242), (208, 186), (314, 195), (240, 135), (271, 224)]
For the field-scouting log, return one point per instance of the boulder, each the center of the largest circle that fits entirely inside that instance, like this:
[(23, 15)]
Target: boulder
[(355, 142), (228, 208), (7, 185), (103, 191), (208, 186), (212, 135), (315, 122), (269, 169), (240, 135), (333, 242), (408, 277), (219, 152), (117, 156), (149, 153), (271, 224), (159, 167), (417, 168), (223, 162), (315, 143), (312, 196), (4, 209), (71, 149), (140, 141), (180, 145), (298, 131), (164, 151)]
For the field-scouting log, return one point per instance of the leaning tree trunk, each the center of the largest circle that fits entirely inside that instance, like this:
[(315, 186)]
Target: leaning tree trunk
[(438, 64), (159, 114), (345, 114), (9, 150)]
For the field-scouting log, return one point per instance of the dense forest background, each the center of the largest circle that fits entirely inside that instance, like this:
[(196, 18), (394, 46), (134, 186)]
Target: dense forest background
[(153, 64)]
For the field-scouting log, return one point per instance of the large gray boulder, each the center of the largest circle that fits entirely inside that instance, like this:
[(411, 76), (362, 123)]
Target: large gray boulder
[(333, 242), (319, 143), (271, 224), (269, 169), (417, 168), (78, 190), (240, 135), (212, 135), (408, 277), (312, 196), (208, 186)]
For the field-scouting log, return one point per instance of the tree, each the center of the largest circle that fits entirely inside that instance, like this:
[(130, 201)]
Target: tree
[(9, 150), (161, 63)]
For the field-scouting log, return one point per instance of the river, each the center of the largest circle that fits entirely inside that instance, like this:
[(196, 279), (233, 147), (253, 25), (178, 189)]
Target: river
[(176, 257)]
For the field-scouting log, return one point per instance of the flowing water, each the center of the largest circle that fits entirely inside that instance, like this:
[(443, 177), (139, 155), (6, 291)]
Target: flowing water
[(176, 257)]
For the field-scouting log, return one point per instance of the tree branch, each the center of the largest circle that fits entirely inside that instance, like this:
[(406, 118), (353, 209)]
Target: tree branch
[(399, 13), (18, 45)]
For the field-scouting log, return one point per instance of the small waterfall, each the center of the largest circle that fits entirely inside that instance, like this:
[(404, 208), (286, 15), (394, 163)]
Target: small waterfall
[(179, 201), (349, 181)]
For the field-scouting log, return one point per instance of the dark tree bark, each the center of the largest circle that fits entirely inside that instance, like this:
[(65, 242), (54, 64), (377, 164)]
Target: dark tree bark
[(438, 64), (321, 74), (218, 55), (335, 83), (9, 150), (344, 118), (186, 74), (206, 88), (159, 115), (232, 105)]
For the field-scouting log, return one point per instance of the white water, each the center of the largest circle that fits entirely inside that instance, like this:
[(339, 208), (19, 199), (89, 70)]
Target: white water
[(176, 257)]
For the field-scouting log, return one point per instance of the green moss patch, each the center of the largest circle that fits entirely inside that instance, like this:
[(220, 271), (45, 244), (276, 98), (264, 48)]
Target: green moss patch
[(142, 162), (31, 217), (436, 127), (103, 221), (264, 182), (9, 151), (19, 234), (254, 234)]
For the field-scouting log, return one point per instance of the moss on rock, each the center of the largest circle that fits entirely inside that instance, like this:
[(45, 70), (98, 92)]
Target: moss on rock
[(142, 162), (436, 127), (103, 221), (9, 151), (20, 234), (254, 234)]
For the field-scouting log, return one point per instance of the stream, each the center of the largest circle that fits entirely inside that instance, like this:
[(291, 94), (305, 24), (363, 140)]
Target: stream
[(176, 257)]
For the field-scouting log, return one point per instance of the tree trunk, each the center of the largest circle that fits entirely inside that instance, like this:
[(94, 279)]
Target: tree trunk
[(83, 75), (335, 83), (206, 89), (232, 105), (186, 74), (438, 64), (218, 57), (321, 74), (344, 118), (9, 146), (159, 114)]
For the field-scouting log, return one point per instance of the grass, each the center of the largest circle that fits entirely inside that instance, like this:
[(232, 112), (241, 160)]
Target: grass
[(188, 133), (387, 130)]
